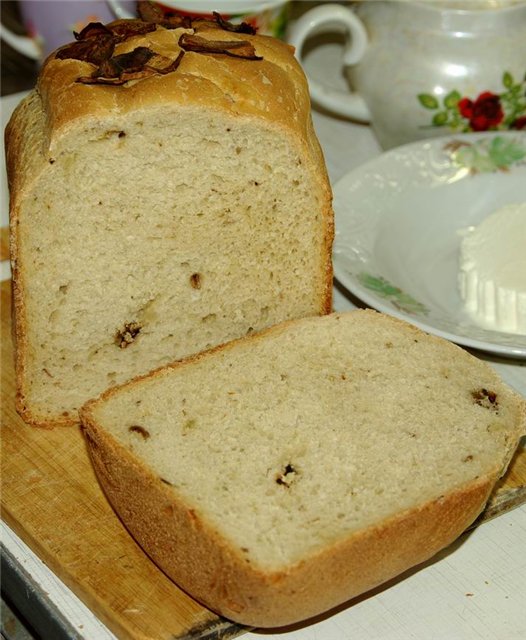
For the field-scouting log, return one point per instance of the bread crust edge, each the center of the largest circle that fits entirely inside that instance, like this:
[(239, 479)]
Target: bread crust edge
[(195, 555)]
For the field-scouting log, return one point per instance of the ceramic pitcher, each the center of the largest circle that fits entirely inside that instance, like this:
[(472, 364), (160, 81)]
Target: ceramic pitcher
[(421, 68)]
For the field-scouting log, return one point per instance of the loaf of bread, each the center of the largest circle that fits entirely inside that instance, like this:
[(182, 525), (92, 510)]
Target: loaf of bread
[(280, 475), (168, 194)]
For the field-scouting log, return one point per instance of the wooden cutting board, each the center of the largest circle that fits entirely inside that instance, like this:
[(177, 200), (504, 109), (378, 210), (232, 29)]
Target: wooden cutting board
[(51, 499)]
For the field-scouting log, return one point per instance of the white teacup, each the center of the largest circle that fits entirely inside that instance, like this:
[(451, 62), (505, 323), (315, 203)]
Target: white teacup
[(425, 68)]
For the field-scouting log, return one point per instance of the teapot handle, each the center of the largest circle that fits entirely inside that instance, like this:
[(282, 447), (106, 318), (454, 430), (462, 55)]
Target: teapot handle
[(329, 18)]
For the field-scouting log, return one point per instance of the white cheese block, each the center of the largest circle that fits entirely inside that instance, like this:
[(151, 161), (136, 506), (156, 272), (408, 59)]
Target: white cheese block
[(492, 270)]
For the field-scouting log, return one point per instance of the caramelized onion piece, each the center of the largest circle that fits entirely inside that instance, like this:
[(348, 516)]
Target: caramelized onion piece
[(150, 12), (96, 44), (235, 48), (92, 30), (236, 28), (124, 29), (175, 21), (118, 80), (161, 64), (131, 61), (135, 65), (94, 50)]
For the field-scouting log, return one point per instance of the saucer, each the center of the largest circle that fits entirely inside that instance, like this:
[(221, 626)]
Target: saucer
[(399, 221)]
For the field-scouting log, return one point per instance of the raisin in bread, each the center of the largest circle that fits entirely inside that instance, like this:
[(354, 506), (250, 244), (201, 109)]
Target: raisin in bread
[(280, 475), (168, 194)]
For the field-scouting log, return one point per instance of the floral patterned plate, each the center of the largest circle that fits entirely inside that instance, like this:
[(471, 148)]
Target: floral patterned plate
[(399, 220)]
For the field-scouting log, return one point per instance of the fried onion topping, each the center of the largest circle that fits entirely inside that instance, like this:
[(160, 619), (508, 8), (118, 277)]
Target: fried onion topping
[(96, 42)]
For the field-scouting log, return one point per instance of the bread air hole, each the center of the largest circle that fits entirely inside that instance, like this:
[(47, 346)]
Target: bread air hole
[(196, 280), (127, 335), (140, 431), (112, 133), (486, 398)]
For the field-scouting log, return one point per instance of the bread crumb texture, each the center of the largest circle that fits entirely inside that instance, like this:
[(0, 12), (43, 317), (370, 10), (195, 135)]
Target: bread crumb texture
[(291, 442)]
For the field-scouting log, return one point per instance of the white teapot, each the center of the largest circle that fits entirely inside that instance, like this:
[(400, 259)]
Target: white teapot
[(425, 68)]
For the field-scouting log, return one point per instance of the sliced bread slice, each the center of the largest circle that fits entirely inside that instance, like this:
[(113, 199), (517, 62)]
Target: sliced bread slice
[(279, 475)]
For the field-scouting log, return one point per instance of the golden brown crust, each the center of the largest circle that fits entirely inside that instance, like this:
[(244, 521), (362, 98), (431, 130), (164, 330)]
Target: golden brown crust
[(242, 87), (24, 159), (202, 562), (273, 89)]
